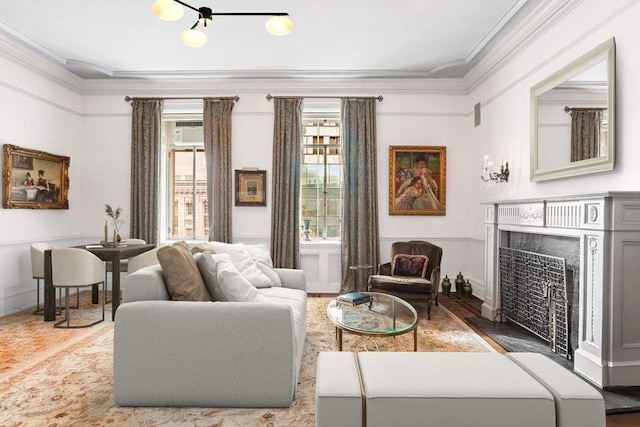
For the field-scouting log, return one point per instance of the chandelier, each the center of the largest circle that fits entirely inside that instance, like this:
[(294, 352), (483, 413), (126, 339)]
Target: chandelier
[(278, 24)]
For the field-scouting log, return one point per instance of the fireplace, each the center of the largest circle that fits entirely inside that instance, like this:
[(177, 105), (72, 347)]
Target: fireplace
[(597, 237)]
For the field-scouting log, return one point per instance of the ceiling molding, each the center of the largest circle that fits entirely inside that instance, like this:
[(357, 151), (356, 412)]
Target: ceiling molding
[(17, 52), (531, 25)]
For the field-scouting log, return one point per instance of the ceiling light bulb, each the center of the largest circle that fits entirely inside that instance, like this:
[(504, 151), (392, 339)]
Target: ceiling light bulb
[(167, 10), (279, 25), (193, 38)]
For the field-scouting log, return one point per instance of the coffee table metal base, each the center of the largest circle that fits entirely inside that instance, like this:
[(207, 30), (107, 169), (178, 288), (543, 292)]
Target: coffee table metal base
[(369, 337)]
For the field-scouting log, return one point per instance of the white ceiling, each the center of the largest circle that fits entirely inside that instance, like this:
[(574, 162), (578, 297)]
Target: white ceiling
[(337, 38)]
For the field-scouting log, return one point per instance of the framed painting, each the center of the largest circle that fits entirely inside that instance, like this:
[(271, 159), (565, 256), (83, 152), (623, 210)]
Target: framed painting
[(251, 188), (34, 179), (417, 180)]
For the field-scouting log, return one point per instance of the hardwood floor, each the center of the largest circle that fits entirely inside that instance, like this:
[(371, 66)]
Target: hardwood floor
[(470, 307)]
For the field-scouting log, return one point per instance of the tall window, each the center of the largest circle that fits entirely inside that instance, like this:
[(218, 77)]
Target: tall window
[(185, 179), (321, 176)]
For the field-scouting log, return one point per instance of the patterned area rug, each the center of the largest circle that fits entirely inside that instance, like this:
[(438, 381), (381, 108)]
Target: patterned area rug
[(60, 377)]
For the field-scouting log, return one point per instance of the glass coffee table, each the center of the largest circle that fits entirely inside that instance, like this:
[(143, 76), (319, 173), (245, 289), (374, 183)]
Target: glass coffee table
[(383, 316)]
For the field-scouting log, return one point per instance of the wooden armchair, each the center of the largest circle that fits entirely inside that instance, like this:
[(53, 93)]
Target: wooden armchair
[(411, 285)]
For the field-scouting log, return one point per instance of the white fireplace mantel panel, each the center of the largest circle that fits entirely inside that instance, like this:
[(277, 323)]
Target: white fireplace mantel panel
[(608, 226)]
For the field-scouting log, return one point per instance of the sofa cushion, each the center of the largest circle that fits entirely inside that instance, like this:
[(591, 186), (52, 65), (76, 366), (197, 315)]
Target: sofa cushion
[(409, 265), (181, 274), (243, 262), (231, 285)]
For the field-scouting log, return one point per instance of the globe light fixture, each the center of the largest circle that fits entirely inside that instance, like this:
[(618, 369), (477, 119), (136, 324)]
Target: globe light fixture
[(279, 25), (167, 10), (170, 10)]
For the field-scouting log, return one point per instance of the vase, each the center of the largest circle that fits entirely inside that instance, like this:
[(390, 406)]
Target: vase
[(446, 285), (307, 231), (467, 289), (459, 283)]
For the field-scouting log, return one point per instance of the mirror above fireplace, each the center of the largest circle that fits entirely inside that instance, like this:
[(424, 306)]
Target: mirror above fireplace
[(573, 117)]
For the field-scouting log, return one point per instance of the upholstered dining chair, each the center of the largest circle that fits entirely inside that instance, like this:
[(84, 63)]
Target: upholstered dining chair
[(37, 272), (145, 259), (76, 268), (413, 273)]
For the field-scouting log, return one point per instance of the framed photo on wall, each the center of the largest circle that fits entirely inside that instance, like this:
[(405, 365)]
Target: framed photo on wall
[(34, 179), (251, 187), (417, 180)]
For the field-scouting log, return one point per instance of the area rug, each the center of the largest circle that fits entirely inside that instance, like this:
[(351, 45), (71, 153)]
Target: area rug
[(65, 377)]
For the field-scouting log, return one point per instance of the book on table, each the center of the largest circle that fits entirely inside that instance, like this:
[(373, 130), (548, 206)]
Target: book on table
[(353, 298)]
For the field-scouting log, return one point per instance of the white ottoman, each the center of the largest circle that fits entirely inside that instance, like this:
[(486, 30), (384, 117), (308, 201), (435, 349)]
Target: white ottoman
[(578, 404), (338, 391), (452, 389)]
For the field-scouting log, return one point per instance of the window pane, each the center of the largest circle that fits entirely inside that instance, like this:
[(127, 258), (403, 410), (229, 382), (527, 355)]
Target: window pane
[(321, 181)]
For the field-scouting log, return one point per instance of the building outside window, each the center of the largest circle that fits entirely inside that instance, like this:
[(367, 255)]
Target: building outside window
[(321, 178)]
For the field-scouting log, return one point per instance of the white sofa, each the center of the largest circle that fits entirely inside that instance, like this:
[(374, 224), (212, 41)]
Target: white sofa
[(208, 354)]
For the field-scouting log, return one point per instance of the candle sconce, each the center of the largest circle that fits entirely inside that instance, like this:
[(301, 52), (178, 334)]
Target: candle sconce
[(489, 176)]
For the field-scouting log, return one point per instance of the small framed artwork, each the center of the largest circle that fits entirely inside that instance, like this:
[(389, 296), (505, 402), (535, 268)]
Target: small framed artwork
[(34, 179), (417, 180), (251, 187)]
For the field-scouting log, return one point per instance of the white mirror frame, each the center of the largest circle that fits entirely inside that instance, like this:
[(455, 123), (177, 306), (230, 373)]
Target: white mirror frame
[(606, 50)]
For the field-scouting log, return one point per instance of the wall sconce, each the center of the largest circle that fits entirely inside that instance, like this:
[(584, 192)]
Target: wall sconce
[(488, 175)]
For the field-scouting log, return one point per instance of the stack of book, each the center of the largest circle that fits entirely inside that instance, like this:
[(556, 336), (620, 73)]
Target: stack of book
[(353, 298)]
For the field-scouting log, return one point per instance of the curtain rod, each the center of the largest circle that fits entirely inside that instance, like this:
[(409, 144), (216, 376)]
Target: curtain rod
[(129, 99), (270, 97), (567, 109)]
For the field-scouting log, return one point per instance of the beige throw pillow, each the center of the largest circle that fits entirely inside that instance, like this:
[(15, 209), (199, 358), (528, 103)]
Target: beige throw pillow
[(181, 274)]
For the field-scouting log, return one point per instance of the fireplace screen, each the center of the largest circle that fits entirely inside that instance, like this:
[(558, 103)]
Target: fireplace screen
[(533, 294)]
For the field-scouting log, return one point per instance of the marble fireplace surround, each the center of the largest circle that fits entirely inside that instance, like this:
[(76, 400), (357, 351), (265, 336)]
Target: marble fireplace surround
[(607, 225)]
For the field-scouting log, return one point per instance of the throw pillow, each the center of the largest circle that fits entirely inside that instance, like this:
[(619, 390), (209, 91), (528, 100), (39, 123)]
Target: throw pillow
[(181, 274), (409, 265), (243, 262), (232, 286), (262, 258), (202, 248), (207, 264)]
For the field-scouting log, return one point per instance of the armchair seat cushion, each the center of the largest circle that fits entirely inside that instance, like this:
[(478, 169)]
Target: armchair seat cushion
[(400, 284)]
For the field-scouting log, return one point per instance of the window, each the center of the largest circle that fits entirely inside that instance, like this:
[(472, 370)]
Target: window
[(184, 179), (321, 175)]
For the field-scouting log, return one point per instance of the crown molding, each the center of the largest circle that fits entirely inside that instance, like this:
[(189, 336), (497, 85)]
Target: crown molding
[(15, 48), (280, 87), (525, 29)]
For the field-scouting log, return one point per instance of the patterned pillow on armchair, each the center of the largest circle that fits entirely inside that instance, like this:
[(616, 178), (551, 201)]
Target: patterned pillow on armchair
[(409, 265)]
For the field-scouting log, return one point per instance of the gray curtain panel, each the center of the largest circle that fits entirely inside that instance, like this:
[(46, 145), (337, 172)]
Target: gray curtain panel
[(285, 209), (217, 151), (360, 240), (585, 133), (145, 159)]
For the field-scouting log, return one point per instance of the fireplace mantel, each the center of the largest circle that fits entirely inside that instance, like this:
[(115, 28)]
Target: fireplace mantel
[(608, 227)]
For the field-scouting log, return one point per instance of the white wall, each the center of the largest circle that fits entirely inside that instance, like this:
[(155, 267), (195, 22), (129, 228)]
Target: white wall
[(90, 122), (505, 129)]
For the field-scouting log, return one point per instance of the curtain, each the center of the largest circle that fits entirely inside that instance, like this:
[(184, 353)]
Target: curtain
[(145, 159), (360, 240), (285, 210), (217, 151), (585, 133)]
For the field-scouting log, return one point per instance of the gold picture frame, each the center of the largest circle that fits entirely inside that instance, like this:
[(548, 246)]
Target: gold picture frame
[(417, 180), (251, 187), (33, 179)]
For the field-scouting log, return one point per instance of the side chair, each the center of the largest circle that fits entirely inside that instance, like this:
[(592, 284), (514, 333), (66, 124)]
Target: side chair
[(76, 268), (413, 273)]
